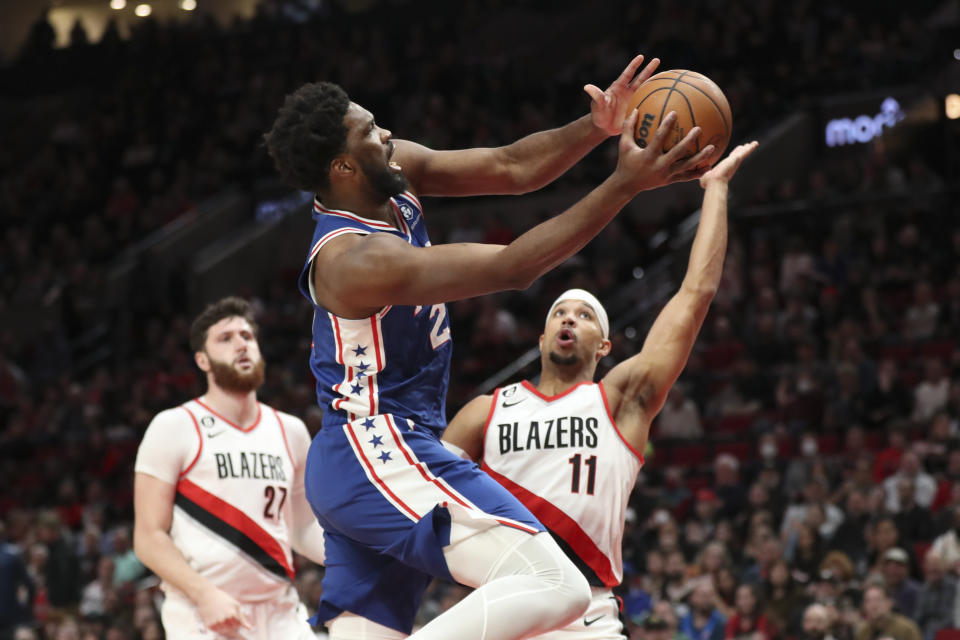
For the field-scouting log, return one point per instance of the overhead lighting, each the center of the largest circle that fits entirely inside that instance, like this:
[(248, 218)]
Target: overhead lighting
[(117, 5), (143, 10), (188, 5), (956, 54), (952, 105)]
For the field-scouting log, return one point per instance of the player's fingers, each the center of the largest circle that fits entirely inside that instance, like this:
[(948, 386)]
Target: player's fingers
[(698, 159), (629, 126), (665, 128), (595, 93), (645, 74), (625, 77), (686, 148)]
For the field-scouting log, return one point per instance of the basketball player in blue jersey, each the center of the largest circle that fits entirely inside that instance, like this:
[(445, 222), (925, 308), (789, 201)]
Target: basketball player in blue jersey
[(397, 507), (568, 448)]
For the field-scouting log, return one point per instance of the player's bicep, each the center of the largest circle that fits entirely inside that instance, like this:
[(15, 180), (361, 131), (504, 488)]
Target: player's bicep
[(152, 504), (466, 429), (462, 172)]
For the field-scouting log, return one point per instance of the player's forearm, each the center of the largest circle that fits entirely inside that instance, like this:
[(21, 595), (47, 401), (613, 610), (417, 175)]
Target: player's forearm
[(156, 551), (553, 241), (710, 243), (540, 158)]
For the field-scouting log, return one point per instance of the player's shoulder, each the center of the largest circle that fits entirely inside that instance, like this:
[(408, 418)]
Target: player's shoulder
[(170, 418)]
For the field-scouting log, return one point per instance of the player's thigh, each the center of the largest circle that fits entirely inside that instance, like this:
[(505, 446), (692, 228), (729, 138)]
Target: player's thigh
[(349, 626), (181, 620), (286, 618)]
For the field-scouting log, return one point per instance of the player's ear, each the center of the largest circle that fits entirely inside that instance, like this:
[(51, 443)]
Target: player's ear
[(341, 167), (604, 350), (540, 343), (202, 361)]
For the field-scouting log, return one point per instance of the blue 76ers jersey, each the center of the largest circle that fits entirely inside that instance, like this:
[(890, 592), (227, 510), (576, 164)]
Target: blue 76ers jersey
[(396, 361)]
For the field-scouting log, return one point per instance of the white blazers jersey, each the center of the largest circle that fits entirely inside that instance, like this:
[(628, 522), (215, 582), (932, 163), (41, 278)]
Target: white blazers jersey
[(231, 515), (565, 459)]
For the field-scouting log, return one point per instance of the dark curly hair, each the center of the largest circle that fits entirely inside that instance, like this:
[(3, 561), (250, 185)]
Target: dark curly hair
[(228, 307), (308, 133)]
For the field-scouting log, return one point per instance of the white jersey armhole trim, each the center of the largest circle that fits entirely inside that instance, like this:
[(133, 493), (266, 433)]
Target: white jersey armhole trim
[(606, 405)]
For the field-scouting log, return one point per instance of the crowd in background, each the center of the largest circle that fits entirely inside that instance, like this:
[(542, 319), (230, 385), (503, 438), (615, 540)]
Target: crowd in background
[(809, 453)]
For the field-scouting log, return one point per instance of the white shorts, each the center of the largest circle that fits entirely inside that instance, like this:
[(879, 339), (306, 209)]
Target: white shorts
[(600, 622), (284, 617)]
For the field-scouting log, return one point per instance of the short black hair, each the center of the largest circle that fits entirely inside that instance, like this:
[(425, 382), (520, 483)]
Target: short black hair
[(308, 133), (228, 307)]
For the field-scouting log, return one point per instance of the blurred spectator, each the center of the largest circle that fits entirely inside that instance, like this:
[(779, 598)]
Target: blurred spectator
[(94, 596), (127, 567), (727, 486), (895, 567), (888, 460), (784, 600), (920, 319), (911, 469), (703, 621), (937, 604), (679, 417), (947, 545), (816, 623), (914, 522), (879, 619), (62, 569), (748, 619), (931, 394), (16, 588), (814, 497)]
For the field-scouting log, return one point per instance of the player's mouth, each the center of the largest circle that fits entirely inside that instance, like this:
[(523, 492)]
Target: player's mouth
[(566, 338), (244, 362), (393, 165)]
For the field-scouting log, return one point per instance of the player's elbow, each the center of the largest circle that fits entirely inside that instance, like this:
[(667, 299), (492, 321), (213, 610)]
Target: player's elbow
[(700, 294)]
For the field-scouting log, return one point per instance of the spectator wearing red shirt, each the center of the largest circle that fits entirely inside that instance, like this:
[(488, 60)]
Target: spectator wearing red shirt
[(747, 619)]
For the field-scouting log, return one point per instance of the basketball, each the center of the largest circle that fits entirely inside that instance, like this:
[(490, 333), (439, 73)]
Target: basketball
[(697, 100)]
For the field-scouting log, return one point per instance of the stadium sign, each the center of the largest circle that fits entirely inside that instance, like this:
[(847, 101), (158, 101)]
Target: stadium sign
[(863, 128)]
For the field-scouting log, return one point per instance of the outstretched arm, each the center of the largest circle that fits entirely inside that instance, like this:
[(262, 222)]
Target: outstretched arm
[(354, 275), (637, 387), (531, 162)]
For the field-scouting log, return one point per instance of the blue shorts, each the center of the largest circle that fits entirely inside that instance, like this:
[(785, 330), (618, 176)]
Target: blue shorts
[(385, 491)]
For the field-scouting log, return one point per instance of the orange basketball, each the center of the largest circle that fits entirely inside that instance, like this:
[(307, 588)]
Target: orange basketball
[(697, 100)]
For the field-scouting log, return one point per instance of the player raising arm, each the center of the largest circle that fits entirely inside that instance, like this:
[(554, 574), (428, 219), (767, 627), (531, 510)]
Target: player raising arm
[(396, 506), (569, 449)]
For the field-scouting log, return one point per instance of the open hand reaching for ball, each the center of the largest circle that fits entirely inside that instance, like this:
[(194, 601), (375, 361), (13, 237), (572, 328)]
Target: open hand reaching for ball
[(609, 108)]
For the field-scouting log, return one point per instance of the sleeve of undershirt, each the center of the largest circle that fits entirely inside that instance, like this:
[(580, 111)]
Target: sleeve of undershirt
[(169, 446)]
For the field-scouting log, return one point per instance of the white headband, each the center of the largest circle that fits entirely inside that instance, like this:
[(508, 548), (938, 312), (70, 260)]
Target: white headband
[(588, 298)]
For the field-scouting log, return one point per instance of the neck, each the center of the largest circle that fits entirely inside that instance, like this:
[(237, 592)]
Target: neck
[(359, 203), (554, 379), (239, 408)]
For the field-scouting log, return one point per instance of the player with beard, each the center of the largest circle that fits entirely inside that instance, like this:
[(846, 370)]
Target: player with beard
[(396, 506), (569, 448), (219, 495)]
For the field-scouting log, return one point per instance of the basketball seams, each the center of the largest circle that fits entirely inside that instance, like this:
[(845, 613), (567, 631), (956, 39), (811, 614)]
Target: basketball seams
[(662, 87), (716, 106)]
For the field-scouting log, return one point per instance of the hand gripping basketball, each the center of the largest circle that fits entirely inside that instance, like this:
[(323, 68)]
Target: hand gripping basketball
[(653, 166)]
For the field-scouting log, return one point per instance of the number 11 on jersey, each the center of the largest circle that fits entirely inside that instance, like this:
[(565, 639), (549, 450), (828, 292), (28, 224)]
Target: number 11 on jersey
[(591, 464)]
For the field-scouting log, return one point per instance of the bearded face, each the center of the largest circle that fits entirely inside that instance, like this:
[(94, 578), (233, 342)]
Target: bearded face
[(238, 376)]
